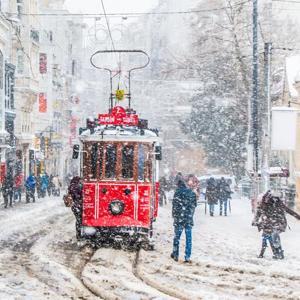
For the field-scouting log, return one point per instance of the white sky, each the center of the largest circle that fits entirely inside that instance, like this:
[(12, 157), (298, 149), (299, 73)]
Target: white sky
[(94, 6)]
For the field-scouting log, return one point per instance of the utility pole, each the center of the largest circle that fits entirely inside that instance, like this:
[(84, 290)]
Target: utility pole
[(267, 113), (254, 105)]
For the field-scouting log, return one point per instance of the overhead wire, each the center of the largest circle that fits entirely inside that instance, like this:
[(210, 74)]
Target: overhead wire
[(136, 14), (112, 42)]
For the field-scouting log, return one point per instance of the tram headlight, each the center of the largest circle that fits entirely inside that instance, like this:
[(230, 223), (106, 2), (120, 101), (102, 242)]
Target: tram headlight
[(116, 207)]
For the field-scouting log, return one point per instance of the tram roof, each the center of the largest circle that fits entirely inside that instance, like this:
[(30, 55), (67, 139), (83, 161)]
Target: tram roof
[(118, 133)]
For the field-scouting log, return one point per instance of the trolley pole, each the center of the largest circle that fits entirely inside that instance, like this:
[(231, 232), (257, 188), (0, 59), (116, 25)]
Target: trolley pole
[(254, 98)]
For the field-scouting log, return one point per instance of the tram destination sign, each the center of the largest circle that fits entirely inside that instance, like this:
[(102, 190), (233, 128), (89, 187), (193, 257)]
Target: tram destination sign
[(118, 116)]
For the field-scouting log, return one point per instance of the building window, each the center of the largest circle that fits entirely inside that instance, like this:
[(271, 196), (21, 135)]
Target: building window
[(19, 8), (20, 61), (73, 67), (9, 85)]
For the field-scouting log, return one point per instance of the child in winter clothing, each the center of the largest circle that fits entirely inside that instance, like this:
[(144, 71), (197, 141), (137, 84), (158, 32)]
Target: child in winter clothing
[(270, 218)]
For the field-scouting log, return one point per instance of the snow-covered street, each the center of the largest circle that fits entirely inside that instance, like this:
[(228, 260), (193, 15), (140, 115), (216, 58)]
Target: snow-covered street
[(40, 260), (224, 263)]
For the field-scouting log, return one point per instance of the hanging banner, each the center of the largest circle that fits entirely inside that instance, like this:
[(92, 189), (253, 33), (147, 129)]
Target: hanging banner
[(284, 128), (43, 63), (42, 103)]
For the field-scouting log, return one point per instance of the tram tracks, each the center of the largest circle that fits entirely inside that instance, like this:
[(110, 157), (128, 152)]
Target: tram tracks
[(116, 274)]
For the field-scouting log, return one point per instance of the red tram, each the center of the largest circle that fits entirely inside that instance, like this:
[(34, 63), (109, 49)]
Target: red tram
[(119, 158)]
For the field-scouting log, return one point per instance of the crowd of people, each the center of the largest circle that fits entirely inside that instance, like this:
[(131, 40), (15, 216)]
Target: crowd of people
[(215, 191), (14, 186)]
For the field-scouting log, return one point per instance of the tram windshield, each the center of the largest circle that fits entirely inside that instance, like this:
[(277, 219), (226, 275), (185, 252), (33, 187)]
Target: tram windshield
[(117, 161), (110, 160), (127, 161)]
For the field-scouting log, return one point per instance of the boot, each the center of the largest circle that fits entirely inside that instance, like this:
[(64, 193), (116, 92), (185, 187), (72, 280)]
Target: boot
[(174, 257), (276, 254), (262, 252), (279, 253)]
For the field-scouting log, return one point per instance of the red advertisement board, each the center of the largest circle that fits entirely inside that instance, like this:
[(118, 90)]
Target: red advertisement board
[(118, 116), (42, 103)]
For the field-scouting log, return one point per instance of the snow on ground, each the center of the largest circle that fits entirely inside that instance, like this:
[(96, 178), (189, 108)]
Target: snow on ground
[(224, 262), (39, 258)]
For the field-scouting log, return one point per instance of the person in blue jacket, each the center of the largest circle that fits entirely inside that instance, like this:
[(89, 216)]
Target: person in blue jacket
[(30, 188), (44, 184), (184, 204)]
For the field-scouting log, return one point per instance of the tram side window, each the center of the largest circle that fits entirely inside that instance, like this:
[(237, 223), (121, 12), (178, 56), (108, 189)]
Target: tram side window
[(94, 157), (148, 166), (127, 161), (86, 161), (110, 161), (141, 162)]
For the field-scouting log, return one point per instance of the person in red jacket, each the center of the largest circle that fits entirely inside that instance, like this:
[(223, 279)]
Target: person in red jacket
[(18, 184)]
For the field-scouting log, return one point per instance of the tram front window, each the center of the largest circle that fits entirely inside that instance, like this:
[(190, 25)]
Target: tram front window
[(141, 162), (127, 161), (110, 161)]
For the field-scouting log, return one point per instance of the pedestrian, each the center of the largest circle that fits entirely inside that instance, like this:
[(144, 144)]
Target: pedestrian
[(194, 184), (163, 186), (75, 190), (56, 185), (211, 195), (50, 185), (270, 218), (39, 186), (8, 190), (224, 194), (184, 204), (18, 184), (44, 184), (30, 185)]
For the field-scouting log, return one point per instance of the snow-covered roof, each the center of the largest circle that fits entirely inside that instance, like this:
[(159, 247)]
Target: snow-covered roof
[(293, 74), (118, 133)]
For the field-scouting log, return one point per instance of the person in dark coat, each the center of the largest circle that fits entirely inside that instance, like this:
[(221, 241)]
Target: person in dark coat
[(211, 195), (224, 193), (30, 185), (39, 186), (75, 190), (50, 184), (8, 190), (163, 187), (270, 218), (184, 204)]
